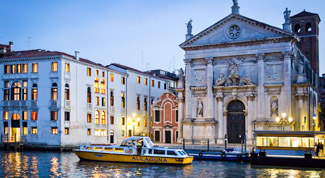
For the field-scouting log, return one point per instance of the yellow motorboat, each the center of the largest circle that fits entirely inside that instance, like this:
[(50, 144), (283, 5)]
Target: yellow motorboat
[(134, 150)]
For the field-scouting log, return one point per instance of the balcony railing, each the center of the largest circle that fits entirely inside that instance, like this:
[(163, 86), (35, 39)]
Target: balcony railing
[(33, 104)]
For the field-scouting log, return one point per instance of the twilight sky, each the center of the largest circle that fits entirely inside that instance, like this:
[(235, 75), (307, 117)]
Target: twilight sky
[(125, 32)]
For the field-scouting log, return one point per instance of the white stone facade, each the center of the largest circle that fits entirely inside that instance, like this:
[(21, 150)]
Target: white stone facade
[(240, 74)]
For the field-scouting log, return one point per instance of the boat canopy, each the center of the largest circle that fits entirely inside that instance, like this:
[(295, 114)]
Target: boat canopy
[(138, 141)]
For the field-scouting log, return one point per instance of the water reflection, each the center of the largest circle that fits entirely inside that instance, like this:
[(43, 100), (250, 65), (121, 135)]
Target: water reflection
[(66, 164)]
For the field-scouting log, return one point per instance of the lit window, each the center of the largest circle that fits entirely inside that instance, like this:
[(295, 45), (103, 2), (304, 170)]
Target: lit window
[(145, 104), (96, 85), (123, 100), (103, 101), (54, 66), (5, 115), (6, 69), (158, 84), (67, 116), (97, 132), (67, 92), (123, 120), (33, 115), (123, 133), (66, 131), (25, 83), (103, 117), (88, 71), (25, 68), (34, 130), (138, 123), (112, 120), (19, 68), (88, 95), (25, 115), (123, 80), (54, 130), (6, 94), (145, 123), (54, 92), (67, 67), (13, 69), (102, 87), (103, 132), (112, 98), (54, 115), (97, 117), (34, 94), (138, 103), (97, 101), (103, 74), (96, 72), (153, 83), (15, 116), (112, 77), (146, 81), (15, 89), (34, 67), (25, 129), (89, 118), (88, 131), (138, 79)]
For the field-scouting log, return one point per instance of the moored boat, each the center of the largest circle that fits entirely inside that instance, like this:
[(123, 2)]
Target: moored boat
[(134, 150)]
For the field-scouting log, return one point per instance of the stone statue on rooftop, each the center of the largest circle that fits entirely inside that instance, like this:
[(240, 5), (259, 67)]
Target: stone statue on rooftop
[(235, 2), (286, 14), (189, 26)]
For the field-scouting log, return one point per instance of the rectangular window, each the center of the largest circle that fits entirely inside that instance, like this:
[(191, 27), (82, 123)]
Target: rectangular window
[(112, 120), (97, 72), (103, 118), (54, 130), (145, 104), (158, 84), (103, 74), (66, 131), (123, 80), (89, 118), (5, 115), (96, 119), (13, 69), (112, 98), (67, 116), (54, 66), (123, 100), (165, 86), (33, 115), (88, 131), (67, 67), (18, 68), (25, 68), (25, 83), (25, 128), (123, 133), (54, 115), (54, 93), (138, 124), (6, 69), (97, 101), (138, 103), (112, 77), (35, 67), (145, 123), (25, 115), (6, 84), (153, 83), (138, 79), (157, 116), (146, 81), (6, 94), (34, 94), (88, 71), (157, 136), (67, 94), (176, 115), (34, 130), (103, 101), (123, 120), (25, 94)]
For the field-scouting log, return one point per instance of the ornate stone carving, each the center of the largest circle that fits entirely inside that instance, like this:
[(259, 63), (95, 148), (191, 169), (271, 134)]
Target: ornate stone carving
[(180, 82), (274, 106), (199, 109), (301, 67), (221, 80), (273, 72), (187, 61), (199, 76), (245, 81), (234, 31)]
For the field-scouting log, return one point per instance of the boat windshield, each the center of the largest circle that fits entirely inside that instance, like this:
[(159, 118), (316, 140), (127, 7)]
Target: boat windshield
[(149, 142), (128, 143)]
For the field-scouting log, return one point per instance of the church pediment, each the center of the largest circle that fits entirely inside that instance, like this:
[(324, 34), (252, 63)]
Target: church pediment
[(235, 29)]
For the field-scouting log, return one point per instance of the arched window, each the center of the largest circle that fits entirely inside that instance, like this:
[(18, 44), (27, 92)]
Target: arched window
[(54, 91), (103, 117), (88, 95), (96, 85), (308, 27), (102, 87), (97, 117), (67, 92), (15, 116), (15, 91), (297, 28), (34, 92)]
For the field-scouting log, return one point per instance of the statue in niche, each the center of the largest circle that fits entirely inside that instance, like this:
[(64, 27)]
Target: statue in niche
[(274, 106), (221, 80), (301, 67), (199, 109), (189, 26)]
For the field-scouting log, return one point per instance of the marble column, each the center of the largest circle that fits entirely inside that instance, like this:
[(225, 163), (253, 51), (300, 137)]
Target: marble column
[(180, 115), (188, 93), (250, 119), (300, 118), (286, 99), (221, 123), (260, 95), (209, 87)]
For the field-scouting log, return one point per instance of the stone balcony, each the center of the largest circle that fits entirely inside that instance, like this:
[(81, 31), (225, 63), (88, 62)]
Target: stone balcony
[(67, 104), (15, 104), (15, 76), (54, 104)]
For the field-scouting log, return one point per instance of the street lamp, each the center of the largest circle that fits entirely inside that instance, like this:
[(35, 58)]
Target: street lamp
[(283, 120)]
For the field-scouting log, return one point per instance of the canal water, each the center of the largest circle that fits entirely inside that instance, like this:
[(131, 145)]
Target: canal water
[(67, 164)]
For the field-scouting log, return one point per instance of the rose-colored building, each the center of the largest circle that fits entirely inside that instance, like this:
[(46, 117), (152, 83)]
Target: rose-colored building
[(165, 119)]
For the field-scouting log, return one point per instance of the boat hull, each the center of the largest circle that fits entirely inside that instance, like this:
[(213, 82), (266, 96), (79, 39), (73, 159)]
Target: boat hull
[(109, 157)]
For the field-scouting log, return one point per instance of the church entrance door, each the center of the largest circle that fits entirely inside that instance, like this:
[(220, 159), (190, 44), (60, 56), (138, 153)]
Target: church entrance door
[(235, 122)]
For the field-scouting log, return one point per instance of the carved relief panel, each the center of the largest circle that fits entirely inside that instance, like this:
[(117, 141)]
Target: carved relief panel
[(273, 72), (199, 77)]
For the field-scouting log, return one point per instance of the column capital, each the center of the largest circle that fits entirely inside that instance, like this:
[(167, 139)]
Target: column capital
[(187, 61), (287, 54), (209, 60), (260, 56)]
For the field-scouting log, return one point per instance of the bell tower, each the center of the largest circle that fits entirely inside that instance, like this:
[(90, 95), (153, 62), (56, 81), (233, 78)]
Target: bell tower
[(305, 26)]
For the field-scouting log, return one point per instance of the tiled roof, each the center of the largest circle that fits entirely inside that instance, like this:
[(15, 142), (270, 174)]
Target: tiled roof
[(304, 14), (42, 53), (127, 68)]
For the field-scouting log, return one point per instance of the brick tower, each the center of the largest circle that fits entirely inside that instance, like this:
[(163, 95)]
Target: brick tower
[(305, 25)]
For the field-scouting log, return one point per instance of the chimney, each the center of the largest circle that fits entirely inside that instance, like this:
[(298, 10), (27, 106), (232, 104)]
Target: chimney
[(11, 46), (76, 55)]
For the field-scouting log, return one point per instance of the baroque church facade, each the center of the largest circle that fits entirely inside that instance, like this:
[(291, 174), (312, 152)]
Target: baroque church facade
[(240, 75)]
